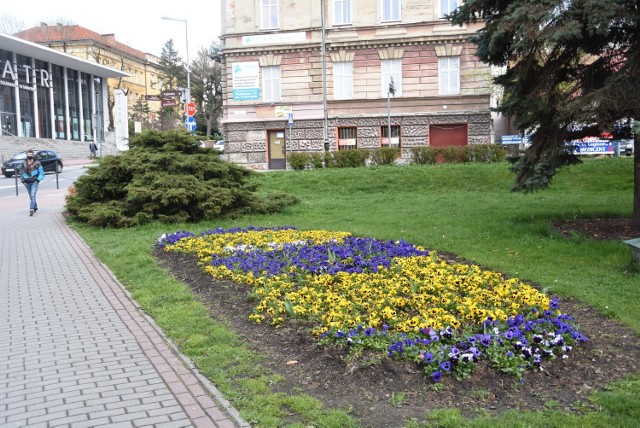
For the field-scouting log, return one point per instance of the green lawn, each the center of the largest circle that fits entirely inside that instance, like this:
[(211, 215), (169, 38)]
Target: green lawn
[(467, 210)]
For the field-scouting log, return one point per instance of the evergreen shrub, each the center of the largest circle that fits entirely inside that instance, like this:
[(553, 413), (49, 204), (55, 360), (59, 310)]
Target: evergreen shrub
[(167, 177)]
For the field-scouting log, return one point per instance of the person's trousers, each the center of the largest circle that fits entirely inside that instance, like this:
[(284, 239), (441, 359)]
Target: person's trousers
[(32, 189)]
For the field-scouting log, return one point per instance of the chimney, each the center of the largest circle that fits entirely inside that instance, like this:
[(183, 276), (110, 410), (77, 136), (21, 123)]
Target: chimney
[(109, 37)]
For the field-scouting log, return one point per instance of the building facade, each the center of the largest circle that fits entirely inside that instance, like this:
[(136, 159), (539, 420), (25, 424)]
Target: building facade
[(143, 82), (327, 75), (49, 95)]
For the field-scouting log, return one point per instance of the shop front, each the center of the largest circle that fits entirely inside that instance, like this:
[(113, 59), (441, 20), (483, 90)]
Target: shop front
[(48, 94)]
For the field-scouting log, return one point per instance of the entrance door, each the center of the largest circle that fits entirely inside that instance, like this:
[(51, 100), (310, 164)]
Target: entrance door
[(277, 151)]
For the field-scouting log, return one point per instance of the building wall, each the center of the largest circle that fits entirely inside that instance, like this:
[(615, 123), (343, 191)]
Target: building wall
[(418, 40)]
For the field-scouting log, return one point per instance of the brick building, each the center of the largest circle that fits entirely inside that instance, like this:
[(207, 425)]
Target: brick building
[(329, 66)]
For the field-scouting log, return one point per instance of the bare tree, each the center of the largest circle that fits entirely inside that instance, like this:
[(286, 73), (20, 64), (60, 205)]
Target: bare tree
[(207, 86), (9, 24)]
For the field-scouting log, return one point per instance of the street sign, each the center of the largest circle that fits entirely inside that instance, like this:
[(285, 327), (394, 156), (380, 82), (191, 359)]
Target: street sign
[(168, 102), (190, 109), (190, 124), (171, 93), (290, 119), (152, 97)]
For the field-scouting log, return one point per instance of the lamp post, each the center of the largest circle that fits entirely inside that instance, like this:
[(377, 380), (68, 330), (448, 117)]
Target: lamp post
[(186, 39)]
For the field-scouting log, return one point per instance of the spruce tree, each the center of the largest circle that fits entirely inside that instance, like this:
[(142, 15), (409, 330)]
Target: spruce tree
[(572, 69)]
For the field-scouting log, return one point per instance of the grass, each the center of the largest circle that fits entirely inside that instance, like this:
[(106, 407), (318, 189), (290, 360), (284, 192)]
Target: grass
[(467, 210)]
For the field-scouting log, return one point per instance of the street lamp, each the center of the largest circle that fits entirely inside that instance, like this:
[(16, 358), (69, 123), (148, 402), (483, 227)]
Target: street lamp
[(186, 39)]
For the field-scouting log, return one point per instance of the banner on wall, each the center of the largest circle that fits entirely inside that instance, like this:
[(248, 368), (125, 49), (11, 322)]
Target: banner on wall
[(121, 119), (246, 81)]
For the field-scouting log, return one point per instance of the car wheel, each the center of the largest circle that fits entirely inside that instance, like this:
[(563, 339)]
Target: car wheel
[(8, 175), (58, 167)]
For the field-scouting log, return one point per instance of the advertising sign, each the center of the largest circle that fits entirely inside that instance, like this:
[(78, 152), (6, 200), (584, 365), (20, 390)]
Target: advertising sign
[(274, 38), (601, 147), (121, 120), (246, 81)]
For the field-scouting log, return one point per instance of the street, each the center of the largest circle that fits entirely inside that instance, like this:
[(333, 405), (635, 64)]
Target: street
[(65, 179)]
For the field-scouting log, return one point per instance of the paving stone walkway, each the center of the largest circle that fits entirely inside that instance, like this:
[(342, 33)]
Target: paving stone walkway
[(75, 350)]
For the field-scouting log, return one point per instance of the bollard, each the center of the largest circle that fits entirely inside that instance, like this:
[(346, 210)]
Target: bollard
[(15, 175)]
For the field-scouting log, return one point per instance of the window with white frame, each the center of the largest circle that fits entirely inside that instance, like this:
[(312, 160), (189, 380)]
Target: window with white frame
[(271, 83), (390, 10), (343, 80), (447, 6), (341, 12), (270, 15), (391, 69), (449, 75), (347, 138)]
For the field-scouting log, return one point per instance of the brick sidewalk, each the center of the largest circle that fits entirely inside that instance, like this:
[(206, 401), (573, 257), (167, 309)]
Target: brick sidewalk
[(75, 350)]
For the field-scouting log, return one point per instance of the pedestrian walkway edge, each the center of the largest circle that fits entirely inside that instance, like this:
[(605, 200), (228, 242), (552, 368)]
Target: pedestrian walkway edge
[(192, 389)]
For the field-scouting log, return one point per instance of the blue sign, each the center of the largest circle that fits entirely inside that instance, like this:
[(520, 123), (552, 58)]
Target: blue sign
[(290, 119), (190, 124), (511, 139), (593, 147), (246, 94), (515, 139)]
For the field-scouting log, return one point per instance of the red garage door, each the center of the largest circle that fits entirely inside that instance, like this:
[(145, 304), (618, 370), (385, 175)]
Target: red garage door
[(448, 135)]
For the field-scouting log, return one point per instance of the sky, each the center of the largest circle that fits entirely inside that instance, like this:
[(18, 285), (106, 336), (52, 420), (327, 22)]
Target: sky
[(136, 23)]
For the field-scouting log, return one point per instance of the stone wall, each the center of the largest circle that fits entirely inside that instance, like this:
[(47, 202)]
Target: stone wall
[(246, 143)]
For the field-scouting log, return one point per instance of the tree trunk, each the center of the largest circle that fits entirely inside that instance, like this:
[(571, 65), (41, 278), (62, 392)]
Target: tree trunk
[(635, 216)]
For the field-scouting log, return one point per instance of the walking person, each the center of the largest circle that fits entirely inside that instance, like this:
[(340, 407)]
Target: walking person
[(93, 148), (32, 175)]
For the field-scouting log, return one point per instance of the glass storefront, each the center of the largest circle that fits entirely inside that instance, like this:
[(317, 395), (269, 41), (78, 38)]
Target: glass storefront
[(39, 99), (8, 124), (58, 102), (44, 105)]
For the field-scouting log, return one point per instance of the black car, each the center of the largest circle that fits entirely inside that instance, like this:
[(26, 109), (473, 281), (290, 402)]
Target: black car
[(50, 161)]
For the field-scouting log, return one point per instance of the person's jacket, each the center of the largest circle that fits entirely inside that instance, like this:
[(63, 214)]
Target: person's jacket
[(37, 172)]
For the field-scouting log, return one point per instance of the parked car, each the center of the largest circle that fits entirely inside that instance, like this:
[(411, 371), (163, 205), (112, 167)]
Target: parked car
[(50, 161), (219, 145), (626, 147)]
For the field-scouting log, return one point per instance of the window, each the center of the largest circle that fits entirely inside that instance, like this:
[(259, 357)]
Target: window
[(390, 10), (449, 75), (347, 138), (447, 6), (343, 80), (391, 68), (395, 136), (271, 83), (341, 12), (269, 14)]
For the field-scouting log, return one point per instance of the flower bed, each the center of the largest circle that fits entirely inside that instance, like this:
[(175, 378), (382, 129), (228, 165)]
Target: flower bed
[(390, 297)]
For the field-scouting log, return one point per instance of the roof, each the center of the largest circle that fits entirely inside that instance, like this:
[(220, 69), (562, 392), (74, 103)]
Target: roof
[(44, 53), (44, 34)]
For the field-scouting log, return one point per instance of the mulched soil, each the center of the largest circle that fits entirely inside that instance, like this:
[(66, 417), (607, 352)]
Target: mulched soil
[(367, 389)]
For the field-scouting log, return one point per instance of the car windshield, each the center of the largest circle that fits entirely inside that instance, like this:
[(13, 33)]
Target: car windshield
[(20, 156)]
